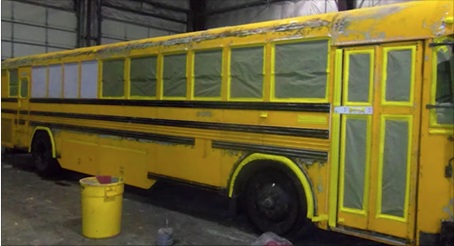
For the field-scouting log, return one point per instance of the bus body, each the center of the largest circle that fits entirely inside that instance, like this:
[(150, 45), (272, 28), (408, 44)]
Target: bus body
[(343, 119)]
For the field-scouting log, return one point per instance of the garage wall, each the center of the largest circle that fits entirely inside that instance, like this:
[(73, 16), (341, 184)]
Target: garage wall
[(31, 29), (218, 13), (227, 13), (129, 20)]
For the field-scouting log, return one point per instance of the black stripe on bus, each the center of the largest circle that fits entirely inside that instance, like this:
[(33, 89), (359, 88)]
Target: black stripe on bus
[(165, 178), (290, 152), (9, 99), (275, 106), (286, 131), (120, 133), (9, 111)]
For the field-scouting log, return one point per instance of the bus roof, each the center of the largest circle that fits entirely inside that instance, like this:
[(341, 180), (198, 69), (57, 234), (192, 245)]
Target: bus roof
[(395, 22)]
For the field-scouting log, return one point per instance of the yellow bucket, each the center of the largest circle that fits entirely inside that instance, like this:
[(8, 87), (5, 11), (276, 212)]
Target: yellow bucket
[(101, 206)]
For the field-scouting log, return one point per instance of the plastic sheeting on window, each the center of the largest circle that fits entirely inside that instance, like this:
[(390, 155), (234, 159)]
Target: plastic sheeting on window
[(246, 72), (445, 86), (359, 68), (55, 83), (113, 78), (71, 80), (89, 79), (143, 76), (208, 73), (174, 76), (13, 82), (39, 82), (394, 174), (398, 78), (301, 69), (355, 163), (24, 87)]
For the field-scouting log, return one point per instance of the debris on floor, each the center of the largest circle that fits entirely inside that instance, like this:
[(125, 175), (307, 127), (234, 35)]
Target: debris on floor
[(271, 239)]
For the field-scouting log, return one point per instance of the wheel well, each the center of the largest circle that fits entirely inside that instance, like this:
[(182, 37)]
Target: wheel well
[(43, 133), (257, 166)]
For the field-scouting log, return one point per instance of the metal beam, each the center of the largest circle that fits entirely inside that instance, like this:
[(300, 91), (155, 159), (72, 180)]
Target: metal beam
[(196, 19), (37, 3), (160, 16), (164, 6), (242, 6)]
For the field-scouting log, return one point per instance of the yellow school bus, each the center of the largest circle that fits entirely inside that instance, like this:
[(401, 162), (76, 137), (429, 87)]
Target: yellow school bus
[(342, 120)]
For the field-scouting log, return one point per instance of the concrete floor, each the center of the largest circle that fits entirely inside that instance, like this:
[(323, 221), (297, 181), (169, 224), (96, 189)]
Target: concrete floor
[(37, 211)]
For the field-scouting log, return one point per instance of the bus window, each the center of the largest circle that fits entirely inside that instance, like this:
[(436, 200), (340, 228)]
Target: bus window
[(13, 83), (444, 94), (24, 87), (300, 69), (246, 72), (208, 73), (143, 76), (174, 76), (89, 79), (55, 83), (113, 84), (71, 80), (39, 85), (398, 63)]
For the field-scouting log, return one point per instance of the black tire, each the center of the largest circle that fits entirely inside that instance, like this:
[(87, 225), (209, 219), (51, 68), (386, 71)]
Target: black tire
[(44, 164), (274, 204)]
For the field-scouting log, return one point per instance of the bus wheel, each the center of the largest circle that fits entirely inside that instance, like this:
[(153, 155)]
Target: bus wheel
[(45, 164), (273, 203)]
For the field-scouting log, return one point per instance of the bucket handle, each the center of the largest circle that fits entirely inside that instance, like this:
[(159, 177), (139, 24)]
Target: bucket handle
[(110, 192)]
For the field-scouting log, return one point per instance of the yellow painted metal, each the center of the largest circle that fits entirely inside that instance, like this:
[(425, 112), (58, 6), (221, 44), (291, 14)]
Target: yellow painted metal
[(435, 194), (101, 207), (334, 157), (284, 161), (201, 163)]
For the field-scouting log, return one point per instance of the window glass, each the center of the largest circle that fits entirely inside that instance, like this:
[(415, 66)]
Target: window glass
[(24, 87), (89, 79), (13, 82), (174, 76), (55, 83), (301, 69), (359, 69), (39, 82), (444, 95), (113, 78), (71, 80), (143, 76), (398, 75), (208, 73), (246, 72)]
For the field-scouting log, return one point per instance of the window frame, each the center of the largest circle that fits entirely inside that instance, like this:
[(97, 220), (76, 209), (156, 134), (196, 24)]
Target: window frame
[(101, 77), (275, 42), (222, 75), (157, 77), (264, 70), (161, 75)]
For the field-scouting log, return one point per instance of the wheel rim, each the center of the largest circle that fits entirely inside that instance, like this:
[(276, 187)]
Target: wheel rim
[(273, 202)]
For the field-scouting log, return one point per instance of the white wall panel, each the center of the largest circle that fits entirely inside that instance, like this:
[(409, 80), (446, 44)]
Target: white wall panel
[(6, 49), (6, 30), (26, 49), (29, 33), (29, 13), (6, 9), (62, 19), (29, 29), (62, 38)]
